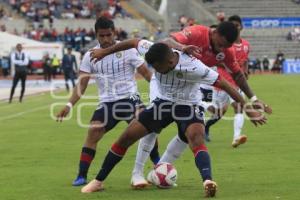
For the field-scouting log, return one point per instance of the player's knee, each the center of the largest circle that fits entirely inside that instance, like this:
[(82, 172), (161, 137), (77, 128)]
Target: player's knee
[(95, 133), (195, 138)]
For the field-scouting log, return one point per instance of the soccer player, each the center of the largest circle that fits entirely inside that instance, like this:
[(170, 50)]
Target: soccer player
[(221, 98), (178, 77), (19, 61), (214, 47), (117, 91)]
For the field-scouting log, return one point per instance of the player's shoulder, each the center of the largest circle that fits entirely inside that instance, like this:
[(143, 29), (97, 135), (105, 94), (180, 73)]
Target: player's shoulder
[(229, 51), (245, 42)]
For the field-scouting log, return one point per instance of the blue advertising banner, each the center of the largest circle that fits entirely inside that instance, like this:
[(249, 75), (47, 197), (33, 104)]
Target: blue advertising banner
[(270, 22), (291, 67)]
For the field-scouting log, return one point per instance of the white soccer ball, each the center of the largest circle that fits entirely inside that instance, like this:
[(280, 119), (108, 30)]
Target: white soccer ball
[(164, 175)]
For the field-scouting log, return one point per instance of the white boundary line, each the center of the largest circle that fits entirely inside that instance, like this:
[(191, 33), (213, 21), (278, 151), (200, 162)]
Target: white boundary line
[(23, 113)]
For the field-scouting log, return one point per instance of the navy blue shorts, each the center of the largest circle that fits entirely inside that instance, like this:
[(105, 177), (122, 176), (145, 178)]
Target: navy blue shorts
[(161, 113), (111, 113)]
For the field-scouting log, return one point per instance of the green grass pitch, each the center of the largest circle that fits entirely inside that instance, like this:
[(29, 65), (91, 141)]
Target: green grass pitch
[(39, 157)]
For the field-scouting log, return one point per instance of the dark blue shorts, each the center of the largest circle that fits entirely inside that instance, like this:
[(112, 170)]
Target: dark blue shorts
[(162, 113), (111, 113)]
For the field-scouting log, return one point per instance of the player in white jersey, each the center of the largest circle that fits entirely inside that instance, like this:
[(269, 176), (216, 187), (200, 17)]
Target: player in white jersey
[(178, 77), (118, 94)]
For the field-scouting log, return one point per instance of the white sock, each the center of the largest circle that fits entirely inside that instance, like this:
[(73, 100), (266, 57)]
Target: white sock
[(174, 149), (145, 146), (238, 125)]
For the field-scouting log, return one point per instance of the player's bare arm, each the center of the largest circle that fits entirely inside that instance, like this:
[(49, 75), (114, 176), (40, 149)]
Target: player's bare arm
[(145, 72), (188, 49), (98, 54), (255, 116), (241, 81), (78, 91)]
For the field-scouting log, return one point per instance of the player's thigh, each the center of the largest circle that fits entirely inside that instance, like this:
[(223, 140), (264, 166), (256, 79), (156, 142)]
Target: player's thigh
[(102, 121), (132, 133), (187, 116), (156, 116)]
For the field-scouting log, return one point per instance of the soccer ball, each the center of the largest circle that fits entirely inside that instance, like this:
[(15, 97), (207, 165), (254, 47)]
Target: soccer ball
[(164, 175)]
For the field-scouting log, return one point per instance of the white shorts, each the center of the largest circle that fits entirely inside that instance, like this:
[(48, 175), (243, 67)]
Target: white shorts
[(221, 98)]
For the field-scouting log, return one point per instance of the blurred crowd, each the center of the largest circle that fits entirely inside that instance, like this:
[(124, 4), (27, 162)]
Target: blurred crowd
[(36, 10), (294, 34), (267, 65)]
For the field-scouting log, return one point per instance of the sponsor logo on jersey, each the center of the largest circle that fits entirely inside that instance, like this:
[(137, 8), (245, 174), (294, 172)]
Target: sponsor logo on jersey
[(119, 54), (179, 75)]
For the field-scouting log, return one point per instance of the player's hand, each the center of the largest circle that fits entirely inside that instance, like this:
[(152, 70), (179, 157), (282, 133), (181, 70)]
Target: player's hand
[(259, 105), (63, 113), (97, 54), (192, 50), (256, 117)]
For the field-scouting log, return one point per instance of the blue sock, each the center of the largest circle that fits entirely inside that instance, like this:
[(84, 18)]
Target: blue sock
[(202, 161)]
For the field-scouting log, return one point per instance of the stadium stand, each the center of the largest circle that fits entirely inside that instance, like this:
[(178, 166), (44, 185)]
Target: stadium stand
[(264, 41)]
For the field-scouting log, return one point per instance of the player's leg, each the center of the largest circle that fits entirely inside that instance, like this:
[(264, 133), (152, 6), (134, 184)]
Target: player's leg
[(137, 129), (220, 100), (154, 154), (145, 146), (192, 130), (238, 124), (101, 122), (66, 76), (14, 85), (195, 137), (174, 150), (133, 132), (23, 85)]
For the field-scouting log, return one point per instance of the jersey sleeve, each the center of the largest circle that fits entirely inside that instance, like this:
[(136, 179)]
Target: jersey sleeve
[(188, 36), (143, 46), (231, 62), (86, 65), (202, 74), (136, 59)]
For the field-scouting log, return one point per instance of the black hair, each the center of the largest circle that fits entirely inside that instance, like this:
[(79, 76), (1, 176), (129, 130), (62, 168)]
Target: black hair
[(235, 18), (228, 30), (213, 26), (104, 23), (157, 53)]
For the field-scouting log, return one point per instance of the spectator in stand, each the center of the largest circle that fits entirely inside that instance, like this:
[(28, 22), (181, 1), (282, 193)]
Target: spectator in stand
[(69, 66), (257, 65), (221, 16), (280, 58), (47, 67), (3, 28), (266, 64), (5, 66), (276, 67), (159, 34), (182, 21), (121, 34)]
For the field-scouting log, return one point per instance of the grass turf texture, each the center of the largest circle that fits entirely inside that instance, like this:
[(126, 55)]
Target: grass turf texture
[(39, 157)]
